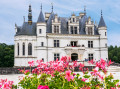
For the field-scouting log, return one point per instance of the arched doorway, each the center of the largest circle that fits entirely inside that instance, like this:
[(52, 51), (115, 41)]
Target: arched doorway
[(74, 56)]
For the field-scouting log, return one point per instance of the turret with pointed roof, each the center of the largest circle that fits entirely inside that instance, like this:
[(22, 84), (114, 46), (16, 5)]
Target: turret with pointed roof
[(41, 18), (101, 23)]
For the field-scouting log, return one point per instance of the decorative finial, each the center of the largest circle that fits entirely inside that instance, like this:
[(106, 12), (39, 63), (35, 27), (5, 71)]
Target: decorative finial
[(84, 9), (101, 12), (15, 25), (52, 6), (41, 6), (24, 18)]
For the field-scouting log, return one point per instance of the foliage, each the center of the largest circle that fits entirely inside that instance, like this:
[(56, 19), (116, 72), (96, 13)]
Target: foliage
[(114, 53), (60, 75), (6, 55)]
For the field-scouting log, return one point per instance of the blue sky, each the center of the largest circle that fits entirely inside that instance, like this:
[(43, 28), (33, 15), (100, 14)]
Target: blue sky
[(12, 11)]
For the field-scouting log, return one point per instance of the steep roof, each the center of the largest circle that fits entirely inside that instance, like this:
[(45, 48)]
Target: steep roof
[(27, 29), (102, 23), (41, 18), (49, 22)]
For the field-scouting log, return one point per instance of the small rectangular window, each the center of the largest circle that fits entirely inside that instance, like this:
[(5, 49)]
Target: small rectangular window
[(56, 43), (56, 29), (73, 19), (56, 56), (42, 44), (105, 34), (74, 43), (90, 44), (106, 45), (43, 59), (75, 30), (90, 56), (71, 29), (40, 31)]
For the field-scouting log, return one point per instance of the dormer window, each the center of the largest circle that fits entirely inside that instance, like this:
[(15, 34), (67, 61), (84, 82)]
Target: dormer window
[(90, 32), (73, 30), (73, 19), (56, 29)]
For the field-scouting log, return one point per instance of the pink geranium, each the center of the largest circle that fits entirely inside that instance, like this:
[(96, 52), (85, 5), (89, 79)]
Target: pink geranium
[(43, 87), (83, 79), (31, 63), (68, 75), (0, 86)]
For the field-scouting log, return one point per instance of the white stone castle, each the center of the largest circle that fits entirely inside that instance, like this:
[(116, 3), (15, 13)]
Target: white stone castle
[(52, 37)]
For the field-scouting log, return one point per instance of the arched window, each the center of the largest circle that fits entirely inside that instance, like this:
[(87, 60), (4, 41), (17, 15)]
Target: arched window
[(18, 48), (29, 49), (23, 48)]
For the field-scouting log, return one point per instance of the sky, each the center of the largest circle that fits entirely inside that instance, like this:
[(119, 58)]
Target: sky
[(12, 11)]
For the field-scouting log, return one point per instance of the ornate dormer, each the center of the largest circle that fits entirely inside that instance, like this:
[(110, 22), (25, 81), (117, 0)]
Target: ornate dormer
[(56, 25), (89, 27), (73, 24)]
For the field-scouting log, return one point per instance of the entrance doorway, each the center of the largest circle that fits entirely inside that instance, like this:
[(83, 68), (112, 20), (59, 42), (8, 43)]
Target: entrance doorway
[(74, 56)]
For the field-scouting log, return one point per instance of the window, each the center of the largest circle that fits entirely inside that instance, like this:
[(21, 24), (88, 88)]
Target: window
[(56, 43), (23, 48), (105, 34), (90, 44), (74, 43), (71, 29), (106, 45), (43, 59), (90, 31), (18, 48), (42, 44), (56, 29), (29, 49), (56, 56), (73, 19), (75, 30), (40, 31), (90, 56)]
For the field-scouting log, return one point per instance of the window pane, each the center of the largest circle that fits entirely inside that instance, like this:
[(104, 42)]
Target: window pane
[(29, 49), (23, 49), (18, 48)]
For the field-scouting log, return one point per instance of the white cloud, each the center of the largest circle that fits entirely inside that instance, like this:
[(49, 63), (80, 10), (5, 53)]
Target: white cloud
[(13, 11)]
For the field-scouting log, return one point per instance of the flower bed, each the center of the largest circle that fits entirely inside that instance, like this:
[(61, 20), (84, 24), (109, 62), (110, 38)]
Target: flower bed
[(61, 75)]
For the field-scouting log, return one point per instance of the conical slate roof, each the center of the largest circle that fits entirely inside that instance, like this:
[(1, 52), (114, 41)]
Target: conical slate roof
[(102, 23), (41, 18)]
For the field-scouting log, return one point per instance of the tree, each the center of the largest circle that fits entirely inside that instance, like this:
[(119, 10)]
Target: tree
[(6, 55)]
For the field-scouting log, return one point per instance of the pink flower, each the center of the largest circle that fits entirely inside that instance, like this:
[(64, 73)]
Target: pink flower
[(75, 63), (43, 87), (109, 63), (0, 86), (26, 71), (31, 63), (68, 75), (91, 62), (84, 79)]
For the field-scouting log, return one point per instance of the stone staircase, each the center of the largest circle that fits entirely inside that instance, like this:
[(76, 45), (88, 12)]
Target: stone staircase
[(114, 69)]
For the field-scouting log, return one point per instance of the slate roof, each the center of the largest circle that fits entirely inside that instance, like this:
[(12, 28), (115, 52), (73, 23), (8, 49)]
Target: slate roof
[(41, 18), (102, 23), (27, 29), (49, 22)]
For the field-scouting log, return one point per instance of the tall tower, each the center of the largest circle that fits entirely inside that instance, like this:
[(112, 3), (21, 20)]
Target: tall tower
[(102, 29), (30, 15)]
